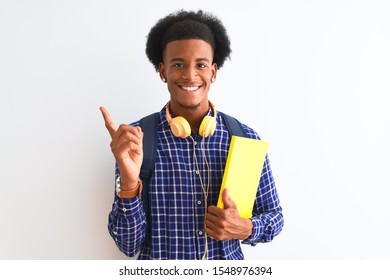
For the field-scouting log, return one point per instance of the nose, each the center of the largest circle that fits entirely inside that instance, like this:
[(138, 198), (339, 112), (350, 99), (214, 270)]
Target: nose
[(189, 73)]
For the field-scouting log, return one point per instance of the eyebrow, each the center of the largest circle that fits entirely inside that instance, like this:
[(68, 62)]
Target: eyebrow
[(177, 59)]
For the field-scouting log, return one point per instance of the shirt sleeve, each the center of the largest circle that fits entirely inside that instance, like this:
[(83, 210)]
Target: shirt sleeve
[(267, 217), (127, 223)]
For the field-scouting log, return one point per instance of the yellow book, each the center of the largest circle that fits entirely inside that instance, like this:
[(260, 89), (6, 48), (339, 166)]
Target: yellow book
[(241, 177)]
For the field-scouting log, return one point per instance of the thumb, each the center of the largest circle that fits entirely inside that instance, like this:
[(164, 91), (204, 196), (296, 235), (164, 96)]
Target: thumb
[(227, 201)]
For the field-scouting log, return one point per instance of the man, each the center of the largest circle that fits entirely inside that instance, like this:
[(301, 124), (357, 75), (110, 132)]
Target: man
[(187, 49)]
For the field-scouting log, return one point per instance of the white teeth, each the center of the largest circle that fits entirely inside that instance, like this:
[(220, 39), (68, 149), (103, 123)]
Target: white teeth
[(189, 88)]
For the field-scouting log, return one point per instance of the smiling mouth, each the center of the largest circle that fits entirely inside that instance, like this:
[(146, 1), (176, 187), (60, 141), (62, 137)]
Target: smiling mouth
[(193, 88)]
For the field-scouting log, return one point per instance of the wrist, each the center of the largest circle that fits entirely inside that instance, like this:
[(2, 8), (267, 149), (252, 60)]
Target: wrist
[(248, 229), (128, 186), (128, 190)]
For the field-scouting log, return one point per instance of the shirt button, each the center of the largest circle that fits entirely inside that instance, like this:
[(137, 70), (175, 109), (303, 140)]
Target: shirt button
[(200, 232), (199, 202), (197, 171), (124, 209)]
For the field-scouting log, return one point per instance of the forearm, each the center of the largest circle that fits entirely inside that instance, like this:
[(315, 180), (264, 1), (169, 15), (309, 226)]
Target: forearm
[(127, 225)]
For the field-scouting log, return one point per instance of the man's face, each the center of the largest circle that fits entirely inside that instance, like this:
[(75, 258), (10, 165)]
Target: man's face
[(188, 70)]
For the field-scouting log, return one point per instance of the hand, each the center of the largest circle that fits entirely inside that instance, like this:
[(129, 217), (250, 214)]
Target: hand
[(227, 224), (126, 145)]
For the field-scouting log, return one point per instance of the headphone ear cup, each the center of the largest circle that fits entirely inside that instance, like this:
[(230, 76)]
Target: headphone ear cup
[(207, 127), (180, 127)]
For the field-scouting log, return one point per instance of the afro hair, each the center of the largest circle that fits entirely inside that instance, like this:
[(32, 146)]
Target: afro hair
[(183, 25)]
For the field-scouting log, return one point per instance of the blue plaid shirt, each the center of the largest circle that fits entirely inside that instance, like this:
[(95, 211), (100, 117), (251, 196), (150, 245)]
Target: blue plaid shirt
[(177, 201)]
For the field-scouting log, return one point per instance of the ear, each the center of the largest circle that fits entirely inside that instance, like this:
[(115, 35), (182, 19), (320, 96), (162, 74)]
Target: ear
[(161, 69), (214, 70)]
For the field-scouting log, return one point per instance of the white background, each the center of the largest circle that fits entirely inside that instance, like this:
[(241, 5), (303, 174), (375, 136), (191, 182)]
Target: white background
[(312, 77)]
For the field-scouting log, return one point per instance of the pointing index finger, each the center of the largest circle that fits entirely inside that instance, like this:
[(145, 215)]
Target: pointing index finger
[(108, 121)]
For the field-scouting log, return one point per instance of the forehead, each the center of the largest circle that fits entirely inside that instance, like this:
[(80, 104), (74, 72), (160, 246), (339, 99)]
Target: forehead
[(188, 49)]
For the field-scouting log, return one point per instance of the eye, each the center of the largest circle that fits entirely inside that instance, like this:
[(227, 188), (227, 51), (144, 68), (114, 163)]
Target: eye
[(201, 65), (178, 65)]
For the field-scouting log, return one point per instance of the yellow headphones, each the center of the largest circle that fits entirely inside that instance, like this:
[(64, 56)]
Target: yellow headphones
[(181, 128)]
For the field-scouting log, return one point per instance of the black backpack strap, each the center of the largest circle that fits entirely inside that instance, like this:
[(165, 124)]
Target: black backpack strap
[(149, 128), (233, 125)]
